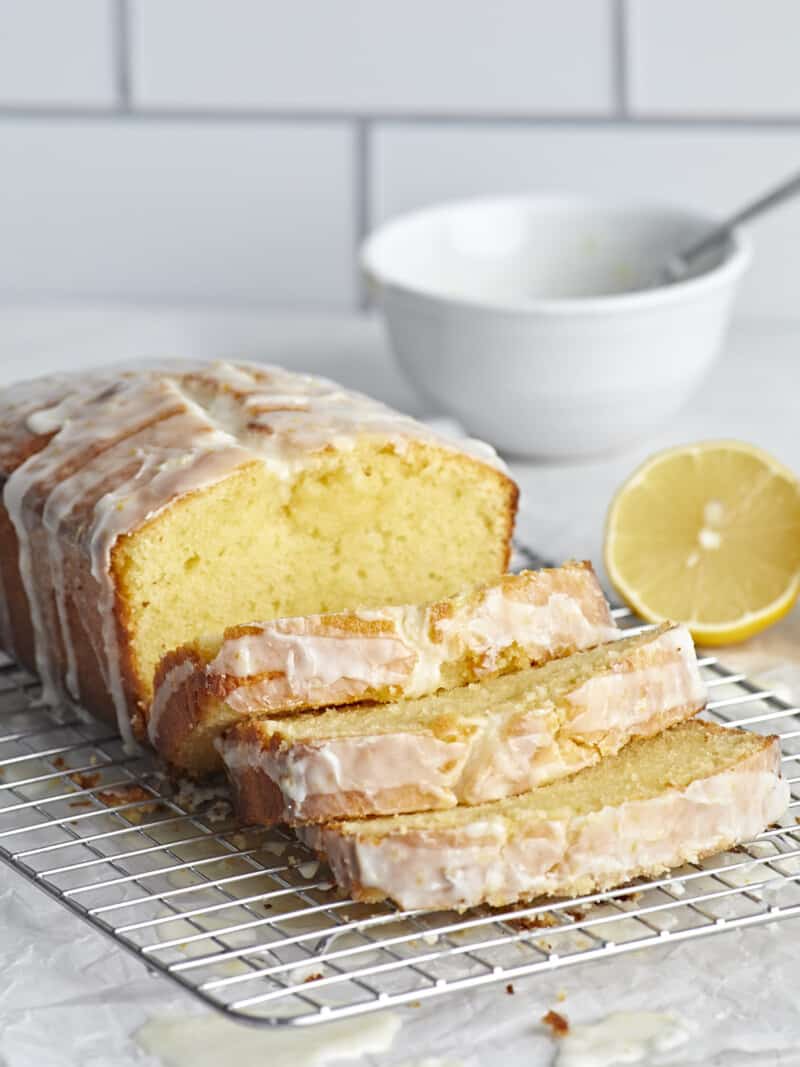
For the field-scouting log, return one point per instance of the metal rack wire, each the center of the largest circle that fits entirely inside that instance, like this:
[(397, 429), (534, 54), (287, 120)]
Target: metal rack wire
[(248, 920)]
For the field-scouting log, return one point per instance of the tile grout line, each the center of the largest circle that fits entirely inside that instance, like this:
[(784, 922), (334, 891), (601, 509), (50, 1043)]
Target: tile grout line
[(620, 53), (121, 47), (202, 116), (362, 197)]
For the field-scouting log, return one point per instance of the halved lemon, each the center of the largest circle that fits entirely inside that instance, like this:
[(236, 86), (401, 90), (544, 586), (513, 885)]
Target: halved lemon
[(707, 534)]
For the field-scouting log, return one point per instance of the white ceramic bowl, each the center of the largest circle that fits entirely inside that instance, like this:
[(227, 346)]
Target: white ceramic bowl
[(520, 316)]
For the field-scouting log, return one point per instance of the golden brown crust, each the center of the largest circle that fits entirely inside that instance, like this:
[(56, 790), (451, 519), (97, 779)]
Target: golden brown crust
[(334, 625), (513, 505), (439, 612), (241, 630), (137, 705), (257, 799), (321, 808), (180, 715), (259, 802), (370, 895), (19, 617)]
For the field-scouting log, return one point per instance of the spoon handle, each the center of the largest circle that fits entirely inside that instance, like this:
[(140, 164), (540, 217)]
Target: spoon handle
[(682, 262)]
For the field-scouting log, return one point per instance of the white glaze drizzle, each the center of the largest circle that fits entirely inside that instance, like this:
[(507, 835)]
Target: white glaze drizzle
[(561, 621), (623, 1037), (672, 681), (211, 1040), (505, 749), (13, 499), (188, 425), (489, 861)]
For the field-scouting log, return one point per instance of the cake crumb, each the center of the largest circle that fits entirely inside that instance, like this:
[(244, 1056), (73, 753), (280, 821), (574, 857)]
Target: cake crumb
[(59, 762), (534, 922), (578, 914), (308, 869), (561, 996), (85, 781), (218, 811), (557, 1023), (315, 977), (510, 989), (145, 802), (80, 803)]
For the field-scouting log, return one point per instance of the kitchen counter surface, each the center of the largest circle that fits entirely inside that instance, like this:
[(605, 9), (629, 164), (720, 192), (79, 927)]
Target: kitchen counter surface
[(68, 997)]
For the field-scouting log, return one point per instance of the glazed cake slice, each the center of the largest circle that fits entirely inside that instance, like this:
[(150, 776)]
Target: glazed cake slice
[(481, 742), (382, 654), (144, 506), (692, 790)]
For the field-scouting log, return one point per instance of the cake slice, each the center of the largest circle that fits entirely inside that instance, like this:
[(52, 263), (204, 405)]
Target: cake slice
[(483, 741), (692, 790), (382, 654)]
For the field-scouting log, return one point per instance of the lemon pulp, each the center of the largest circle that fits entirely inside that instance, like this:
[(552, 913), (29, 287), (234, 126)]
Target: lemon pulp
[(707, 534)]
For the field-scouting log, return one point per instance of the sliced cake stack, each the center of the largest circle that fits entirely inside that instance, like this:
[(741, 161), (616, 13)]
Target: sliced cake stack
[(692, 790), (479, 742), (380, 654), (500, 745)]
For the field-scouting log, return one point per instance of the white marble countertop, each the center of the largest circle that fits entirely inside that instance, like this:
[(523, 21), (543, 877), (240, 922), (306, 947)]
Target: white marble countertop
[(735, 993)]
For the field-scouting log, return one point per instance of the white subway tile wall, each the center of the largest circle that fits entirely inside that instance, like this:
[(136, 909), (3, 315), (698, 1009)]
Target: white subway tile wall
[(237, 151), (727, 58), (170, 211), (55, 53), (381, 56)]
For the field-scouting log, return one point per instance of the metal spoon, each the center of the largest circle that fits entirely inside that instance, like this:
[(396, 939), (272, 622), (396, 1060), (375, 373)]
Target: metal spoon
[(681, 264)]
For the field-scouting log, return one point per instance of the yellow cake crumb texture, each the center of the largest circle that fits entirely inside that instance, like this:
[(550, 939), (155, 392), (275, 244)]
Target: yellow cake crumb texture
[(349, 531)]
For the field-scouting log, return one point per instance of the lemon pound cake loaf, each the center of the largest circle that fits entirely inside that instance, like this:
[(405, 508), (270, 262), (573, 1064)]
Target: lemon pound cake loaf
[(380, 655), (693, 790), (143, 507), (483, 741)]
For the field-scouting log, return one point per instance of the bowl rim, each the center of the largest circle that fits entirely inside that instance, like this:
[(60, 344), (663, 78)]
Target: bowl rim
[(729, 269)]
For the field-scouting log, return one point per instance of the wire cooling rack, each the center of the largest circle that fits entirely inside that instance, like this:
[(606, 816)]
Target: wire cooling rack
[(248, 920)]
